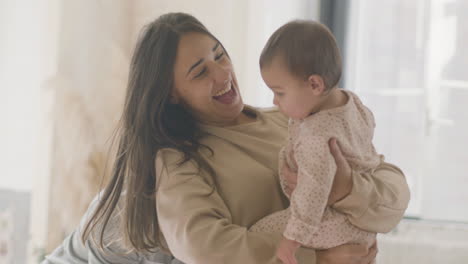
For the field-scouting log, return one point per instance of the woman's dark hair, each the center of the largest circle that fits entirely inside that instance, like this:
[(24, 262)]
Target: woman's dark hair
[(149, 123)]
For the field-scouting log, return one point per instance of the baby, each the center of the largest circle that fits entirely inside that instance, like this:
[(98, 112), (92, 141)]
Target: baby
[(301, 64)]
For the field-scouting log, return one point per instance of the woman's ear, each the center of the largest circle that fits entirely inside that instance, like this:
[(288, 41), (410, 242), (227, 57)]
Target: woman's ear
[(316, 83)]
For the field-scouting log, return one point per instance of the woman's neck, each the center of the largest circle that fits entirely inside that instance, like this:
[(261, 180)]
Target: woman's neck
[(244, 117)]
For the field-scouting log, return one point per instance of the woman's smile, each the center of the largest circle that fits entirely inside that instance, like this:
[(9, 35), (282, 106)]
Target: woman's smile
[(227, 95)]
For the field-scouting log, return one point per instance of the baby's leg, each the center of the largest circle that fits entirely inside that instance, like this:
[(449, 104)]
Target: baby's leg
[(335, 230), (274, 223)]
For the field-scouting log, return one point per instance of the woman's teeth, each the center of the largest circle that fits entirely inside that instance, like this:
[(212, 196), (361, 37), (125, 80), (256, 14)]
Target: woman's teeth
[(225, 90)]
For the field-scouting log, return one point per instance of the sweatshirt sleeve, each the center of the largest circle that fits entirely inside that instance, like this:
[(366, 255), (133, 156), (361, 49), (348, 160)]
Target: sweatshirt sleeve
[(377, 200), (197, 225)]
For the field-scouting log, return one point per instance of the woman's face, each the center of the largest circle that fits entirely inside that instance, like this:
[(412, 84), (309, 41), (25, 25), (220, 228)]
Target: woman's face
[(204, 81)]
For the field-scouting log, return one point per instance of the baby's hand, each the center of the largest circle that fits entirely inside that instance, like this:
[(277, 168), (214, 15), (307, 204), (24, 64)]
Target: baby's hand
[(286, 251)]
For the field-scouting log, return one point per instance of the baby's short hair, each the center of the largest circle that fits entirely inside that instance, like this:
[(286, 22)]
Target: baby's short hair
[(307, 48)]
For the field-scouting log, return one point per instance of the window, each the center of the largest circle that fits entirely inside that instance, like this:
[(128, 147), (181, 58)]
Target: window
[(408, 61)]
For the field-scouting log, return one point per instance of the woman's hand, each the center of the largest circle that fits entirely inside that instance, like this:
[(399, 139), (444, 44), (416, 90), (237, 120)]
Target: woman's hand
[(347, 254), (342, 183)]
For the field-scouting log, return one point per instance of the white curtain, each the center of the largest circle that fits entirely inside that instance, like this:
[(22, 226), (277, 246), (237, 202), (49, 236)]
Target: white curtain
[(93, 51)]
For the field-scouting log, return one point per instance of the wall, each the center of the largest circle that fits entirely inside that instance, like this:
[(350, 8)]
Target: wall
[(19, 80), (23, 137), (14, 221)]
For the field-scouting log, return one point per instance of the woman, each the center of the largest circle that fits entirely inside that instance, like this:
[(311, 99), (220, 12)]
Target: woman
[(195, 167)]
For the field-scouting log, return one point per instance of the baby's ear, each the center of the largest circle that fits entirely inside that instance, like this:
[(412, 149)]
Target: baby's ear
[(316, 83)]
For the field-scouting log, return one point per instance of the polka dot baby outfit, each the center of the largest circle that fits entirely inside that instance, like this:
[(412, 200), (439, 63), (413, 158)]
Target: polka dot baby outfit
[(309, 220)]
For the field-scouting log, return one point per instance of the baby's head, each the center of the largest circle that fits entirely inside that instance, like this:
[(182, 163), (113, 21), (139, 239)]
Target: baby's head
[(301, 64)]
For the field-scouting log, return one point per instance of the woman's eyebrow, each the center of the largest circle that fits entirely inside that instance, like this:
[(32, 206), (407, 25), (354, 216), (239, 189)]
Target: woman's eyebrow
[(201, 60), (194, 65)]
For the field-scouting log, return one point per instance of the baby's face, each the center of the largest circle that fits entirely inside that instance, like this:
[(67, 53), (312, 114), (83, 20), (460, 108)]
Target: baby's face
[(294, 96)]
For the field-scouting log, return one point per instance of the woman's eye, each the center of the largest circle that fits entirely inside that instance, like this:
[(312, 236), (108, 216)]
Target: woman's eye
[(219, 56), (200, 73)]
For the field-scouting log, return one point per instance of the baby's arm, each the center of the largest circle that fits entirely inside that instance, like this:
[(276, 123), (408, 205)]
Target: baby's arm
[(288, 178), (316, 170), (281, 164)]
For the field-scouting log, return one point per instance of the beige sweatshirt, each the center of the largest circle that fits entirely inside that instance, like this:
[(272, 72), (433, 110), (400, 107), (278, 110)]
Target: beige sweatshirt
[(203, 225)]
